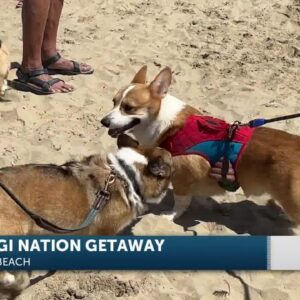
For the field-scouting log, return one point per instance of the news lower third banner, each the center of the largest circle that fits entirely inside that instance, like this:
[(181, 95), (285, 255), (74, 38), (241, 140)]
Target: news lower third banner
[(149, 253)]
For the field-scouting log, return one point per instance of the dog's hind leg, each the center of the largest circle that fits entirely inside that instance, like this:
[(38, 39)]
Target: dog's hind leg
[(3, 83), (3, 86), (287, 193)]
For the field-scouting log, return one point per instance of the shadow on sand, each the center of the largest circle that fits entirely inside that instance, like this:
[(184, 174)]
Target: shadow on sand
[(244, 217)]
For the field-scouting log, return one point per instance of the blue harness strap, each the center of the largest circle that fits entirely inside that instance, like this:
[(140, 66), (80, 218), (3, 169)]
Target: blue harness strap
[(214, 150)]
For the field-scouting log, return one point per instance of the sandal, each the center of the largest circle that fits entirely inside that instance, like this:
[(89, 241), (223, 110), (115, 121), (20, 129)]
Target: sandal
[(52, 71), (28, 82)]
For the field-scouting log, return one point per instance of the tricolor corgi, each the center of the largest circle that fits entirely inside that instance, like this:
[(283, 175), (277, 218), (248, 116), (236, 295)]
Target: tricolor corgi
[(64, 194), (69, 191), (266, 160)]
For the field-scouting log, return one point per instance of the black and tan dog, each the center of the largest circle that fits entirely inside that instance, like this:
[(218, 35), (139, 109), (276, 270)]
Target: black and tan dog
[(65, 194)]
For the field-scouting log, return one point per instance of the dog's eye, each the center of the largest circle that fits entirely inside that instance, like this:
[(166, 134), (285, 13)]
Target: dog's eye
[(127, 108)]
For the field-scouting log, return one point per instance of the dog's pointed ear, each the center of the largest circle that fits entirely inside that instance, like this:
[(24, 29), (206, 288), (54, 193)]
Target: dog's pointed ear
[(159, 168), (125, 140), (140, 76), (160, 85)]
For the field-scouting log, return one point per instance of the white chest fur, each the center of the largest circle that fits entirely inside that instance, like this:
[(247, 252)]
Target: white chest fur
[(149, 131)]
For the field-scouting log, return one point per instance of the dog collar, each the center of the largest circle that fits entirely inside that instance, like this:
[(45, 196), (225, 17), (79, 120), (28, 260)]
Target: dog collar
[(128, 180)]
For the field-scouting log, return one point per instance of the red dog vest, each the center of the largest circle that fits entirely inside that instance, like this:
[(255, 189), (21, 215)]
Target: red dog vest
[(208, 137)]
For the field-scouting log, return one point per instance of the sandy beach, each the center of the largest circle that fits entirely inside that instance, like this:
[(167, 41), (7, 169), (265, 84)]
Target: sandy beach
[(235, 60)]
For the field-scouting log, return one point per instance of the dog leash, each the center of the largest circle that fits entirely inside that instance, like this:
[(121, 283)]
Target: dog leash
[(102, 197), (260, 121)]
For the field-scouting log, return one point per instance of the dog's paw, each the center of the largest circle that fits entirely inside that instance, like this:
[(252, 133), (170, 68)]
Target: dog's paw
[(7, 279), (4, 88), (169, 215)]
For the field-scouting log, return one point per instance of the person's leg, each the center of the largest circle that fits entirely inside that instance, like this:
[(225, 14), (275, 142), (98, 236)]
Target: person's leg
[(34, 19), (51, 29), (50, 38)]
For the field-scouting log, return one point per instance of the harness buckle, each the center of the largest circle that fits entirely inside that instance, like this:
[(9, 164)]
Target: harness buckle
[(102, 198), (224, 182), (233, 127), (109, 181)]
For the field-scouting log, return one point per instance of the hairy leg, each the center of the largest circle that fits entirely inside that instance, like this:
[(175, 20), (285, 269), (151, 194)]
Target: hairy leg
[(51, 29), (49, 46), (34, 18)]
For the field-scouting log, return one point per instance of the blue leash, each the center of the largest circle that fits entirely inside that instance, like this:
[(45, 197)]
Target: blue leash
[(260, 122)]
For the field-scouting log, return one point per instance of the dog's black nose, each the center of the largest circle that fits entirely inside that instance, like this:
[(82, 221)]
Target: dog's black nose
[(105, 122)]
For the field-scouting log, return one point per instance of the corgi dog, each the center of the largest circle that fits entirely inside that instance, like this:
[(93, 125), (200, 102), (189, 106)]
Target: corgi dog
[(4, 68), (141, 176), (266, 160), (64, 194)]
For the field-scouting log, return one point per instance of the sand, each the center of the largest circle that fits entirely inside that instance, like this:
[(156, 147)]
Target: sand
[(231, 59)]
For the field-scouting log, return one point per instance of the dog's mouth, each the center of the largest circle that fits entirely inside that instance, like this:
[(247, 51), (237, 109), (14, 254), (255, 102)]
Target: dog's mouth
[(115, 132)]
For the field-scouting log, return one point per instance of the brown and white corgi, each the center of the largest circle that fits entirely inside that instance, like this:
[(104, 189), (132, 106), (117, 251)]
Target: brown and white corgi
[(4, 68), (269, 164)]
